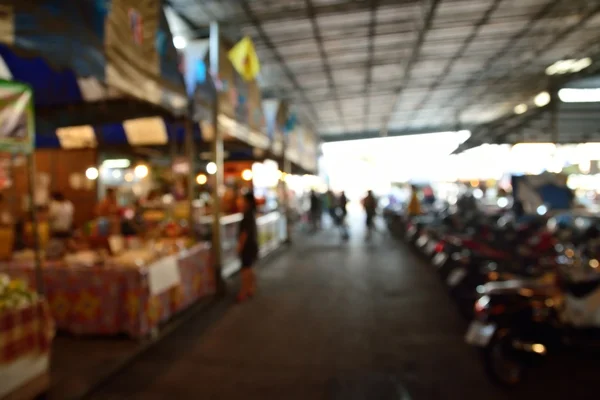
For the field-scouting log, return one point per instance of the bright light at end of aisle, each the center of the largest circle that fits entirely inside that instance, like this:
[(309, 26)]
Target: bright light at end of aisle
[(579, 95), (211, 168), (141, 171), (92, 173), (179, 42), (247, 175), (542, 99), (521, 109), (201, 179)]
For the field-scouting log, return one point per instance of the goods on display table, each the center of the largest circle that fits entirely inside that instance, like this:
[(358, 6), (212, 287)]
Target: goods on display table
[(129, 290), (26, 333)]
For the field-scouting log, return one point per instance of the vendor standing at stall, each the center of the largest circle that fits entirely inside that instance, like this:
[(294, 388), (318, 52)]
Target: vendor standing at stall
[(60, 215), (109, 210), (6, 219), (247, 247)]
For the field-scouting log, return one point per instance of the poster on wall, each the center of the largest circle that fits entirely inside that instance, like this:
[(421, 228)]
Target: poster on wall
[(291, 148), (277, 144), (256, 117), (16, 118)]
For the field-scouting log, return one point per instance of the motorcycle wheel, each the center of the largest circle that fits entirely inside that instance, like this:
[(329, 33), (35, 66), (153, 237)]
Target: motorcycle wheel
[(501, 366)]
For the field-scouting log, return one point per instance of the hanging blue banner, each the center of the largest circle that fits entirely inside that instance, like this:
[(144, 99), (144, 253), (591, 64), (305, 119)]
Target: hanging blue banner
[(270, 108), (290, 124)]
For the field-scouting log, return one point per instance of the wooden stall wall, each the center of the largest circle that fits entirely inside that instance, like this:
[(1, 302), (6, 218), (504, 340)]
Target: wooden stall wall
[(62, 171)]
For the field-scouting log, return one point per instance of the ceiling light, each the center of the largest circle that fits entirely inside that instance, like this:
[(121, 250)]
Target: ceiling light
[(581, 64), (542, 99), (579, 95), (521, 109), (179, 42), (568, 66), (118, 163), (117, 174)]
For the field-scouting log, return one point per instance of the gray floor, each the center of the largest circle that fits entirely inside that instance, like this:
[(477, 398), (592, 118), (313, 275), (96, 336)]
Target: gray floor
[(335, 321)]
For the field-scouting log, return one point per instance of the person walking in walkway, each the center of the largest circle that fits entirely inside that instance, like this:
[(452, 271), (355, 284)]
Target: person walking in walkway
[(331, 207), (342, 212), (370, 205), (315, 211), (414, 205), (247, 247)]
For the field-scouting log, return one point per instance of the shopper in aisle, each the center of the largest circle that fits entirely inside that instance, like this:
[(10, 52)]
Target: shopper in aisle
[(247, 247), (414, 205), (331, 207), (60, 216), (315, 211), (342, 212), (370, 205)]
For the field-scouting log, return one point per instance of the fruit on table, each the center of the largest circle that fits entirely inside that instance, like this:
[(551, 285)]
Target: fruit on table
[(15, 294)]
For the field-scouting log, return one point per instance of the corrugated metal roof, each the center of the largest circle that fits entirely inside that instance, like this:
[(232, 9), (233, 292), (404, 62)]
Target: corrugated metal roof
[(402, 66)]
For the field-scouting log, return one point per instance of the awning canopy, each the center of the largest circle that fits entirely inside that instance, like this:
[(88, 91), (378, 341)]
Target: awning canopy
[(98, 52)]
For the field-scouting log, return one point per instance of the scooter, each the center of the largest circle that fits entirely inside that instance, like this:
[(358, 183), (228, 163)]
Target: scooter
[(517, 323)]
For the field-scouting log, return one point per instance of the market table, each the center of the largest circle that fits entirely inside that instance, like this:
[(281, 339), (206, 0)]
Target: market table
[(25, 339), (112, 299)]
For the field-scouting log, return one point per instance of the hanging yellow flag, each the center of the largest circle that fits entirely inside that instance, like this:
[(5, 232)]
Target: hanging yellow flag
[(244, 59)]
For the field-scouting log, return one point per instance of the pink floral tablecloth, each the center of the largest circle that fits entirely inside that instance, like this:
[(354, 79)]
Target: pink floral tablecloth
[(112, 299)]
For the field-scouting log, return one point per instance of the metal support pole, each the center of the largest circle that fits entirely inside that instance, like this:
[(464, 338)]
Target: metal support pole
[(39, 277), (287, 170), (554, 116), (191, 156), (217, 158)]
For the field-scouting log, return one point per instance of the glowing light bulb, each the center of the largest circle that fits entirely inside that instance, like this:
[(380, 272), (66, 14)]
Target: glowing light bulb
[(92, 173), (211, 168), (201, 179), (141, 171), (247, 175)]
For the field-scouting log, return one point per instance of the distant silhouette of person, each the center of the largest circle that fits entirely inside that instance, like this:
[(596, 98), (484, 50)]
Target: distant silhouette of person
[(370, 205), (315, 211), (414, 205), (342, 212), (247, 247)]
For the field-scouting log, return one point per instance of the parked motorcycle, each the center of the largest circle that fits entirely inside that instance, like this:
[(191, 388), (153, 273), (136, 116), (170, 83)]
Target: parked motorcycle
[(517, 323)]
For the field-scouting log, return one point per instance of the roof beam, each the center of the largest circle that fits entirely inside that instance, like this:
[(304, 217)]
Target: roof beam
[(591, 12), (310, 9), (282, 15), (373, 134), (267, 41), (457, 56), (370, 56), (542, 13), (429, 15), (564, 113)]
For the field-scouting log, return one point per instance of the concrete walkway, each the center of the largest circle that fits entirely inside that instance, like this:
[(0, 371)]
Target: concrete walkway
[(334, 321)]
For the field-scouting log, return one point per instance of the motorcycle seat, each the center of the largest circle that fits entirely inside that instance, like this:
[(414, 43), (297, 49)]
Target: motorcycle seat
[(531, 287), (583, 288)]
